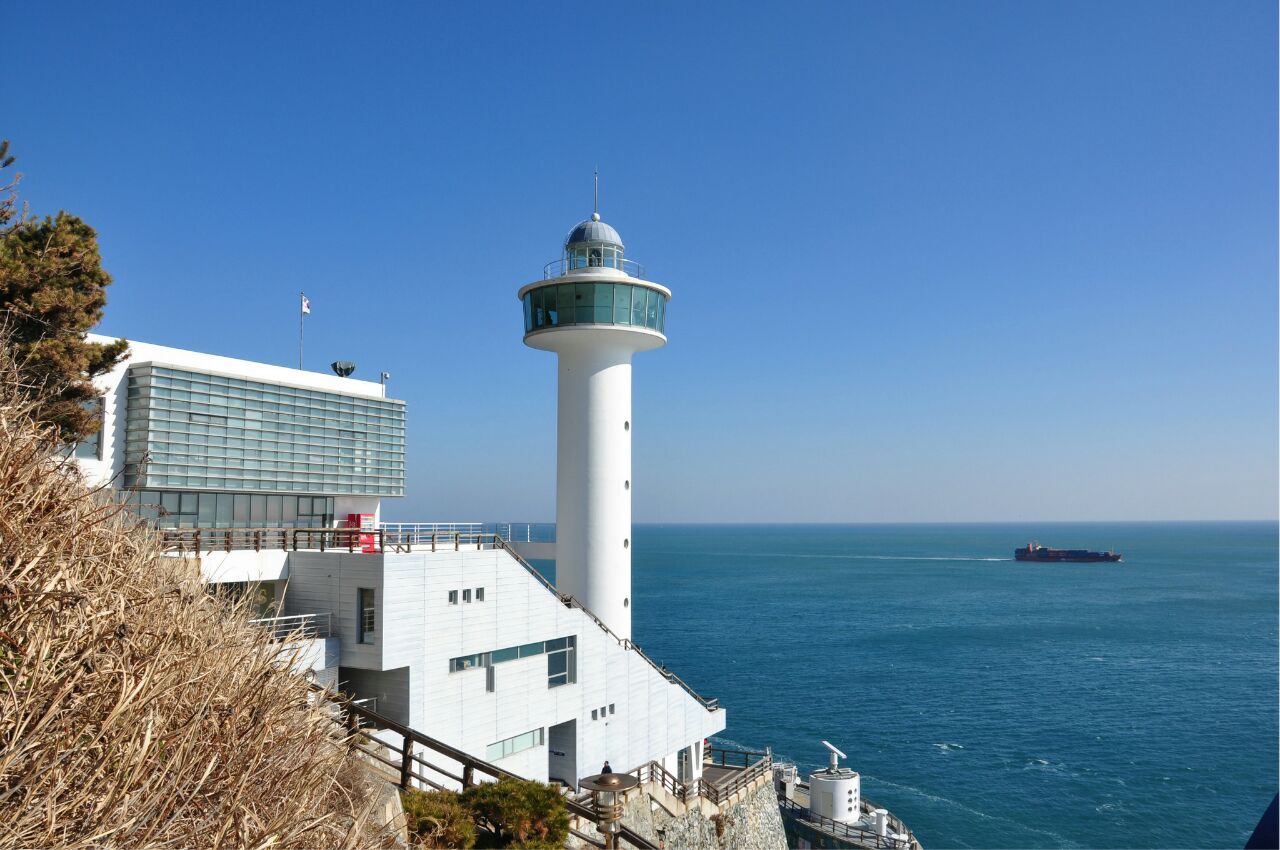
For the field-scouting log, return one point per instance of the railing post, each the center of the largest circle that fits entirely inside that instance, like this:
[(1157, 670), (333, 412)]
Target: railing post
[(227, 540), (257, 540), (353, 722), (405, 759), (468, 776), (198, 549)]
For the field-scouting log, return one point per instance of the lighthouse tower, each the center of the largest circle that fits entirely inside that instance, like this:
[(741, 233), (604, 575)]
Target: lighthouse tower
[(594, 309)]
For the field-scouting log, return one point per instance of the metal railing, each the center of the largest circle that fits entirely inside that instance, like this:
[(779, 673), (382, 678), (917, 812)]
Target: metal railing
[(864, 835), (297, 626), (412, 765), (514, 532), (565, 265)]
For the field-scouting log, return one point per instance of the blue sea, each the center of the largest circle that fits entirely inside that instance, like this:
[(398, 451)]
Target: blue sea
[(991, 703)]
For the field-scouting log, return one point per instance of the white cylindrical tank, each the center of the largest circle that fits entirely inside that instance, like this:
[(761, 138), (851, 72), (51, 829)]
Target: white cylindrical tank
[(836, 794), (882, 822)]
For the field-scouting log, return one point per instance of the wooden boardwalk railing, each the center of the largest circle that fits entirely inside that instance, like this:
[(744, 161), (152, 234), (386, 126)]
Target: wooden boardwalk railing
[(717, 792), (412, 760)]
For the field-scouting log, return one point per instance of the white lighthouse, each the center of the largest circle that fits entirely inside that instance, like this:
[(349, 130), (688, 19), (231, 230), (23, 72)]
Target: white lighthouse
[(595, 309)]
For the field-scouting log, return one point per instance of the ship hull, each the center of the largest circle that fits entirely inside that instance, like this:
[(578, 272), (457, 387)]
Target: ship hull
[(1060, 556)]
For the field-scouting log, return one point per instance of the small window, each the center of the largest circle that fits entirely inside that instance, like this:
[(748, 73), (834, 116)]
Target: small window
[(453, 597), (479, 594), (367, 615), (466, 595), (611, 711), (595, 714)]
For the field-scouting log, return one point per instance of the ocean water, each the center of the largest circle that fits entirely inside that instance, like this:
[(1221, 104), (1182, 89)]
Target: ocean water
[(991, 703)]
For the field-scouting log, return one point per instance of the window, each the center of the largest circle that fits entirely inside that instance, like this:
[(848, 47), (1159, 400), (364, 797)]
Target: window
[(468, 662), (594, 714), (366, 616), (91, 446), (466, 595), (510, 746), (479, 594), (562, 662), (611, 711), (594, 303), (453, 597)]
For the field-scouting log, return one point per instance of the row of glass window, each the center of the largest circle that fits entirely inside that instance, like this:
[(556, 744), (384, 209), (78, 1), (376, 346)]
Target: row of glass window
[(170, 376), (253, 447), (166, 463), (183, 398), (356, 476), (594, 303), (255, 409), (562, 667), (513, 745), (188, 450), (172, 509), (591, 255), (133, 479), (215, 434), (163, 416), (143, 438)]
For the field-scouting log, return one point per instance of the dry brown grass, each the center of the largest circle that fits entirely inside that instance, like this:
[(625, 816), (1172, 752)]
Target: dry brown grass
[(135, 709)]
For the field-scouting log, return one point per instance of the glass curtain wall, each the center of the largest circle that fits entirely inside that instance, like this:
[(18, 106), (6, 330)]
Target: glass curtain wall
[(186, 509), (595, 303), (198, 430)]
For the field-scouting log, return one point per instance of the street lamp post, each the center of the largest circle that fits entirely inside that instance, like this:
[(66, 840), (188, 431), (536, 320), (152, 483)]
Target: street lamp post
[(608, 790)]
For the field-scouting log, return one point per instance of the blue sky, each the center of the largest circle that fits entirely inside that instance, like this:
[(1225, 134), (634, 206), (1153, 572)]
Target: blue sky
[(931, 261)]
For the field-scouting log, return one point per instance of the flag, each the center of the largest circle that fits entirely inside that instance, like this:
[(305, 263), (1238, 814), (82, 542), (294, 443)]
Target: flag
[(306, 304)]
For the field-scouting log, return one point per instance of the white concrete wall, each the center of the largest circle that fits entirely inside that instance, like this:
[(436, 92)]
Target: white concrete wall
[(652, 718), (419, 631), (245, 565)]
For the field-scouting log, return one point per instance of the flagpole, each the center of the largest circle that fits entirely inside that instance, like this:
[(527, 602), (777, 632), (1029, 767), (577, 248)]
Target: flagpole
[(301, 317)]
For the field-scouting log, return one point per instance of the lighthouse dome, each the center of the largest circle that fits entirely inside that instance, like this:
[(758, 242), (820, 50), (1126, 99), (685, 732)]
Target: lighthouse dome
[(593, 230)]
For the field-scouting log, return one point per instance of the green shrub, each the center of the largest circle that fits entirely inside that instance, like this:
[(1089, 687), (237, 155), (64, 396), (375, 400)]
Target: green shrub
[(438, 819), (525, 814)]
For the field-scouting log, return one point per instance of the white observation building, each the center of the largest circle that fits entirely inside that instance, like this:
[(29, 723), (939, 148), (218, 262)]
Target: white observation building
[(595, 310)]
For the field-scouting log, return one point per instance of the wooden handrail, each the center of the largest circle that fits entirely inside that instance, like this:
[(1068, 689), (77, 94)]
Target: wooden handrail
[(413, 742)]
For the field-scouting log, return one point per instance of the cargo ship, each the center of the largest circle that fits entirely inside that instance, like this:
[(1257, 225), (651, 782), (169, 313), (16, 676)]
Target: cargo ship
[(1036, 552)]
